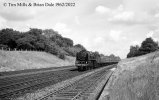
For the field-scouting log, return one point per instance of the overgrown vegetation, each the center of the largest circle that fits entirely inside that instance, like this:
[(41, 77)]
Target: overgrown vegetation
[(136, 79), (36, 39), (147, 46)]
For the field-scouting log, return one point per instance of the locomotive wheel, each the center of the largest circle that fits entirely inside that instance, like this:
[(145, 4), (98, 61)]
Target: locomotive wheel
[(83, 69), (88, 67), (79, 68)]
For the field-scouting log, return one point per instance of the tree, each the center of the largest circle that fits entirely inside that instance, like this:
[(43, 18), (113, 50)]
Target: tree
[(80, 46), (37, 39), (26, 42), (8, 37), (35, 31), (49, 33), (133, 51), (147, 46), (96, 53), (67, 42)]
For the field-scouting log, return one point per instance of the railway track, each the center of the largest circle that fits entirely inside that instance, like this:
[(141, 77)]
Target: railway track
[(17, 78), (12, 88), (32, 72), (81, 89)]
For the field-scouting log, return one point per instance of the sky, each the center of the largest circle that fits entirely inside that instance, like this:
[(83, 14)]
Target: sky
[(106, 26)]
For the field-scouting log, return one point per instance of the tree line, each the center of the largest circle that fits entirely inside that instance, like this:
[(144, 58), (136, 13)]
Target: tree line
[(46, 40), (147, 46)]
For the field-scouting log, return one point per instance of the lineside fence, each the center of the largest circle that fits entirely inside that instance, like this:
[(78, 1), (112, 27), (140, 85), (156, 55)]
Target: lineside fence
[(8, 49)]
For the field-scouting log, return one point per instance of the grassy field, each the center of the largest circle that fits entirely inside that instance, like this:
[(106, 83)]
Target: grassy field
[(20, 60), (136, 79)]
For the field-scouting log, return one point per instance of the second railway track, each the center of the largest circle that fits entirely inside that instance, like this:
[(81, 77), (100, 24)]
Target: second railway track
[(17, 86)]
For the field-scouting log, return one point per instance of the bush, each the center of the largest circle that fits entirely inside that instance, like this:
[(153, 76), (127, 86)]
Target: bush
[(71, 51), (51, 48), (61, 56)]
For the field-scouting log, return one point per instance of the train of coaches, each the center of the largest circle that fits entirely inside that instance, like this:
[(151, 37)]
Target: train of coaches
[(86, 60)]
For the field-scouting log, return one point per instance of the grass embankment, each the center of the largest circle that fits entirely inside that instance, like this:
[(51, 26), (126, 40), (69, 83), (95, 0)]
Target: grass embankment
[(135, 79), (20, 60)]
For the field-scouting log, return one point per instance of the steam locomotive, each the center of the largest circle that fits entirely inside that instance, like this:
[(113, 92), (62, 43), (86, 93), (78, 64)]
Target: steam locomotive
[(86, 60)]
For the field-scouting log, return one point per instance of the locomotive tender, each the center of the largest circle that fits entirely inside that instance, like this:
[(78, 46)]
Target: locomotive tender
[(89, 60)]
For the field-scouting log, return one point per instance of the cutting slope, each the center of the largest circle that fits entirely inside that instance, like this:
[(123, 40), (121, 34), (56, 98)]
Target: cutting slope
[(19, 60), (135, 79)]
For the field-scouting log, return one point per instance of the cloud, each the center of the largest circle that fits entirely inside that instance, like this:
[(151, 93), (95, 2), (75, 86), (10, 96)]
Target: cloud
[(141, 5), (135, 43), (156, 39), (77, 20), (120, 15), (17, 13), (86, 43), (120, 8), (115, 35), (101, 9), (2, 22), (62, 28), (99, 40), (150, 34), (123, 16), (157, 15)]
